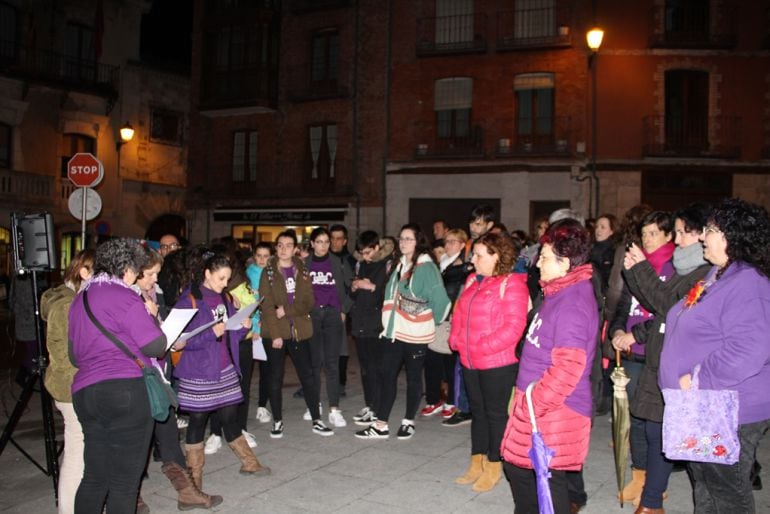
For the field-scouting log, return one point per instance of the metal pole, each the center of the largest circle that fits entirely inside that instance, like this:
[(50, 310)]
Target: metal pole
[(83, 219), (595, 207)]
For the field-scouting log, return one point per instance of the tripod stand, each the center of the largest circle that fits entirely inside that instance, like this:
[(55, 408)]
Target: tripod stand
[(35, 378)]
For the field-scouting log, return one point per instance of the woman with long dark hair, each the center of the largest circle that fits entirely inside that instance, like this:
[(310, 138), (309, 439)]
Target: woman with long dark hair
[(208, 368), (415, 302)]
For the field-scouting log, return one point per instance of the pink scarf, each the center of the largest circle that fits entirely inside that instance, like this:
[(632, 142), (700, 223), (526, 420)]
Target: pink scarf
[(660, 256), (582, 272)]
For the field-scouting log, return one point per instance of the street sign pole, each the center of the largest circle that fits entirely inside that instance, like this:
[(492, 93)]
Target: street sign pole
[(83, 220)]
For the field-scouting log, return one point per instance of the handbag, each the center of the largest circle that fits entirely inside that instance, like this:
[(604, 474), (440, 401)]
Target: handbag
[(159, 393), (441, 343), (701, 425)]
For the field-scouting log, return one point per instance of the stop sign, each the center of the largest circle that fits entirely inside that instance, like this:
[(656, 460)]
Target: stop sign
[(85, 170)]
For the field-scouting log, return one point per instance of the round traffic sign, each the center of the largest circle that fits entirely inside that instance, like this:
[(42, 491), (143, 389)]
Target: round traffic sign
[(85, 170), (93, 203)]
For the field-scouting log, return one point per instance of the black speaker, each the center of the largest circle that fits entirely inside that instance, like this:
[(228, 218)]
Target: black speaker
[(33, 241)]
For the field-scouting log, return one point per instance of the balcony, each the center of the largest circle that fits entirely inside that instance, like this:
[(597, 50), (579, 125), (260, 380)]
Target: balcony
[(21, 186), (305, 84), (694, 25), (716, 137), (457, 147), (533, 28), (239, 88), (448, 35), (58, 70), (544, 138)]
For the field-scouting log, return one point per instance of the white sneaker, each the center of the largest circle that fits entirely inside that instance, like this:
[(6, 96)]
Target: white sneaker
[(336, 419), (213, 444), (308, 417), (250, 439), (263, 415)]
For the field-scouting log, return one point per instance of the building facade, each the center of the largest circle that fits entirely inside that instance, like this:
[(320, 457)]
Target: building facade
[(70, 78)]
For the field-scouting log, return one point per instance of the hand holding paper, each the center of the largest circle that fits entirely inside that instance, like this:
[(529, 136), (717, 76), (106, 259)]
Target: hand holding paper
[(236, 321)]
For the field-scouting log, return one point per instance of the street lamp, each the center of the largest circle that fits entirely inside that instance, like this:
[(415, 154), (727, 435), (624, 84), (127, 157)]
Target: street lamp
[(126, 135), (594, 39)]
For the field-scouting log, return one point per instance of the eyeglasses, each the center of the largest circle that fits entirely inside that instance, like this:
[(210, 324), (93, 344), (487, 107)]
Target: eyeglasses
[(170, 246), (711, 229), (406, 239)]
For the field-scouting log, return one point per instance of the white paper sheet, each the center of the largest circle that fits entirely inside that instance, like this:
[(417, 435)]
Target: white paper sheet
[(175, 322), (234, 322), (187, 335), (258, 350)]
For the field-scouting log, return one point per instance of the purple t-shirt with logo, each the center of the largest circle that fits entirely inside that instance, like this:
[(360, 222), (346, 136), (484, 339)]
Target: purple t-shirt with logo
[(290, 281), (638, 314), (322, 280), (122, 312)]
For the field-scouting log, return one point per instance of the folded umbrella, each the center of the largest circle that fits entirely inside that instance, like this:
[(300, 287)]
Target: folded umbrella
[(621, 423), (541, 456)]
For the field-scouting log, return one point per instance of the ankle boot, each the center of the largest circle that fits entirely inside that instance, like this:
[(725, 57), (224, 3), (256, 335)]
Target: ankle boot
[(195, 460), (249, 463), (632, 492), (489, 478), (188, 496), (474, 470), (648, 510)]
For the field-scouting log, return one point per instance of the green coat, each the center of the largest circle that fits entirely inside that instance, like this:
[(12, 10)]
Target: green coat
[(54, 309)]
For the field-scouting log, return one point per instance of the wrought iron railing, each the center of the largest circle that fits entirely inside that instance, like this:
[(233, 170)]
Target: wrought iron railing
[(471, 145), (58, 69), (462, 33), (533, 28), (710, 137), (538, 136)]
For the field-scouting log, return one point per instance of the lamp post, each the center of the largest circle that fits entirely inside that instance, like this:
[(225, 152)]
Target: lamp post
[(594, 40), (126, 135)]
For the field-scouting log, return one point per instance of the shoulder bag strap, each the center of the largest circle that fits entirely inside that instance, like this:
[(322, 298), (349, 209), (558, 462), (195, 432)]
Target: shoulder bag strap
[(117, 342)]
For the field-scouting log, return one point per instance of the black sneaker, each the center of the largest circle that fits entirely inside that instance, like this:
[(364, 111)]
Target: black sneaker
[(457, 419), (372, 432), (365, 417), (405, 431), (321, 429), (277, 431)]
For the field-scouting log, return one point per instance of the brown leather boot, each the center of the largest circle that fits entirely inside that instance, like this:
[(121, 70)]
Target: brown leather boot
[(249, 463), (489, 478), (195, 460), (188, 496), (632, 492), (474, 470)]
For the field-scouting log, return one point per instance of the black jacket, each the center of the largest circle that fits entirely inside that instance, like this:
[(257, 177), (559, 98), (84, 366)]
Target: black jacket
[(366, 313), (657, 297)]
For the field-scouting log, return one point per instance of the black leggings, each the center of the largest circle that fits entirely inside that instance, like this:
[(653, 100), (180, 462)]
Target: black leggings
[(228, 417)]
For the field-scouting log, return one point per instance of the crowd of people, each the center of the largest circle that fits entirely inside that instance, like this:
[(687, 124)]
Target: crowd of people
[(497, 329)]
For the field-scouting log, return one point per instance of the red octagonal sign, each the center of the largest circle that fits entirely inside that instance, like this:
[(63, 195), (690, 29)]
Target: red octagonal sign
[(85, 170)]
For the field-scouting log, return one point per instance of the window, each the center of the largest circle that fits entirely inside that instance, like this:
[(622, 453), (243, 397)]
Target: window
[(452, 102), (686, 119), (80, 61), (5, 145), (687, 20), (245, 156), (72, 144), (534, 19), (166, 127), (8, 30), (534, 108), (326, 49), (323, 150), (454, 21)]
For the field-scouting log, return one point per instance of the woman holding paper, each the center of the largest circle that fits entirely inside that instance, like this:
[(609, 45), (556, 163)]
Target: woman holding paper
[(166, 432), (208, 368)]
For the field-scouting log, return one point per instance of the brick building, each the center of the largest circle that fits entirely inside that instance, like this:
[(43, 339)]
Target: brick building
[(379, 113), (70, 77)]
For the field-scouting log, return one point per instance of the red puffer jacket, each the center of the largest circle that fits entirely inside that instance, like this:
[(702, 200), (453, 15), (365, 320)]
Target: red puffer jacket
[(564, 430), (489, 319)]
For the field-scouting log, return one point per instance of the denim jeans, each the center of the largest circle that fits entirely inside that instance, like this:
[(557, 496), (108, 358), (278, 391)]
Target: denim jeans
[(721, 489), (117, 428), (299, 351), (489, 391), (658, 467), (328, 331)]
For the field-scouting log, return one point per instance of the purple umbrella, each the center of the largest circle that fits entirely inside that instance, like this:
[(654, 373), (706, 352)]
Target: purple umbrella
[(541, 456)]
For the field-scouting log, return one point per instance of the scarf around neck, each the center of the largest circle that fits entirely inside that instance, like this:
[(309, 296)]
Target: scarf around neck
[(687, 260), (660, 256), (579, 274)]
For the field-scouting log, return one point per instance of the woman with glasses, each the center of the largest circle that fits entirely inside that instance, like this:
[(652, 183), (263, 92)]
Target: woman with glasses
[(415, 302), (718, 335)]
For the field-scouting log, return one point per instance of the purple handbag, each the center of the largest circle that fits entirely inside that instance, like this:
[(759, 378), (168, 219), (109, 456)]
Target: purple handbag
[(701, 425)]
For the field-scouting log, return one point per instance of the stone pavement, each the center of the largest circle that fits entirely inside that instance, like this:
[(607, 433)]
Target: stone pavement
[(334, 474)]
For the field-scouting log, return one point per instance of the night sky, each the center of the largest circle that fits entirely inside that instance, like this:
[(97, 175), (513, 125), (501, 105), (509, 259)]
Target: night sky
[(167, 35)]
